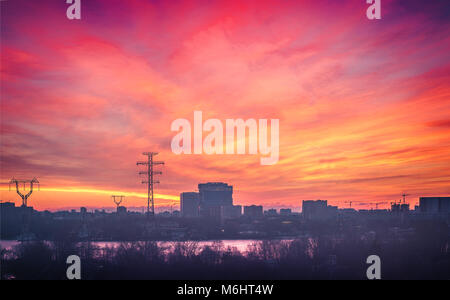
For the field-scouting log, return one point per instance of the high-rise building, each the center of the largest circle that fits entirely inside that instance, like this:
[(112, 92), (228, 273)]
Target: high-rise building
[(434, 205), (253, 211), (310, 208), (318, 210), (215, 194), (190, 203)]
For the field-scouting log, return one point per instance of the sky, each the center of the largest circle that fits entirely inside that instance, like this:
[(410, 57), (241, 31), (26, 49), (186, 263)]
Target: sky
[(364, 105)]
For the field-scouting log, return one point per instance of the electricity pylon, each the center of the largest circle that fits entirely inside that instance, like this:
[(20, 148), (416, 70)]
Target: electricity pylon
[(24, 182), (25, 235), (117, 199), (150, 182)]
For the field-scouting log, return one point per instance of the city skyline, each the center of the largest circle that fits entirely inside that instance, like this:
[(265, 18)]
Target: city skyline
[(363, 106), (358, 205)]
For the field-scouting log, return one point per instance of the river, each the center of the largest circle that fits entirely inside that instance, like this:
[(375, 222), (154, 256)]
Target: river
[(240, 245)]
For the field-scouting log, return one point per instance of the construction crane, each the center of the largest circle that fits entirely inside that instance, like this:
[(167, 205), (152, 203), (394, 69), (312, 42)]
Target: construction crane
[(404, 197), (377, 203)]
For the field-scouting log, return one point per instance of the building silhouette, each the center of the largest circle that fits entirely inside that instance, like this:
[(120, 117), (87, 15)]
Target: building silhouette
[(230, 212), (272, 212), (285, 212), (214, 195), (434, 205), (397, 208), (253, 211), (121, 210), (318, 210), (190, 204)]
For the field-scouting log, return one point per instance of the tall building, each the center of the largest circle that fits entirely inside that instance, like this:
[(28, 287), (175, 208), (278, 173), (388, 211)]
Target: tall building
[(254, 211), (213, 194), (190, 203), (434, 205), (318, 210)]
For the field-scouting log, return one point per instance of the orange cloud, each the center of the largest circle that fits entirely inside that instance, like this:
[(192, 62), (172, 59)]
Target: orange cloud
[(363, 106)]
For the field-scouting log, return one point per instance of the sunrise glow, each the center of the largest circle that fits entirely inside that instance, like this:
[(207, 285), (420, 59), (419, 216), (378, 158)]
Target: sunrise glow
[(364, 107)]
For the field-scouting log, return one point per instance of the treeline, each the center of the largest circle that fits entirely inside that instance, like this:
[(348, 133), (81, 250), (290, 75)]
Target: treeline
[(423, 256), (135, 227)]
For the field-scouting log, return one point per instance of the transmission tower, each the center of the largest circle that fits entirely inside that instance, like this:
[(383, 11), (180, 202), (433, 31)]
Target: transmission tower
[(25, 235), (150, 182), (24, 182), (117, 199)]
